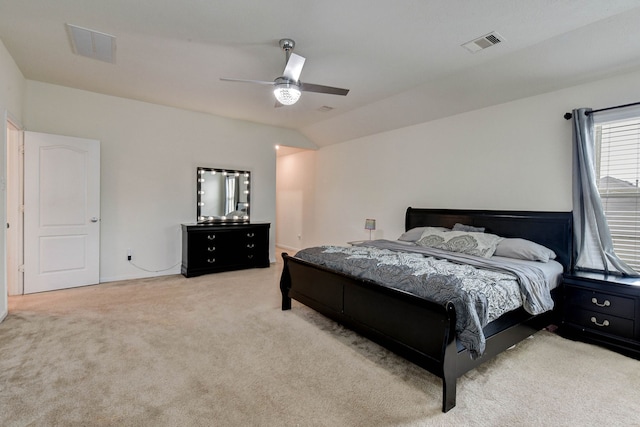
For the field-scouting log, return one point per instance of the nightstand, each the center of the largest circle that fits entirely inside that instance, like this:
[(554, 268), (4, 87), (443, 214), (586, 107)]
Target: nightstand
[(602, 309)]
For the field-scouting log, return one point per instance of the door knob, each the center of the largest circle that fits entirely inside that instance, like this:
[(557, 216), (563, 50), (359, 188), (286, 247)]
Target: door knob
[(94, 219)]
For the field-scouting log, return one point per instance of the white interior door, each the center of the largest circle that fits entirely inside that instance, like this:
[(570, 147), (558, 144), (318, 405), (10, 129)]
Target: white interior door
[(61, 212)]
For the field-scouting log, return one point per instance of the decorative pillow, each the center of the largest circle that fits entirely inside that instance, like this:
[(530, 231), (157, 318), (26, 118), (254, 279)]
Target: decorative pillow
[(472, 243), (415, 233), (524, 249), (462, 227)]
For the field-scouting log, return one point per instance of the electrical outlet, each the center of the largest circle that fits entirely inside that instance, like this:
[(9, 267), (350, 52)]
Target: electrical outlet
[(129, 254)]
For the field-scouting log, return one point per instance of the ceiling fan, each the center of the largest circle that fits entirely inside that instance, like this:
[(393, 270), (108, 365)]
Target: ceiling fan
[(288, 87)]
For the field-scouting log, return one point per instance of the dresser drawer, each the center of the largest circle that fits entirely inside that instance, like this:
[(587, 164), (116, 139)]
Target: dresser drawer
[(604, 323), (203, 258), (601, 302), (204, 239)]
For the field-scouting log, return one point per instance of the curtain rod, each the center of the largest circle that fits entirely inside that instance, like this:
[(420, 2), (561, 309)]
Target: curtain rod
[(568, 116)]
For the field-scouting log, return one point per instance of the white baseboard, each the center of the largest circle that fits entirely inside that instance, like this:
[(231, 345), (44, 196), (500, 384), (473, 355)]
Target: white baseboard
[(138, 276), (289, 248)]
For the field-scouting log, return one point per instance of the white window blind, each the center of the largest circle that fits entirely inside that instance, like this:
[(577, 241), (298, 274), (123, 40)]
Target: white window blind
[(618, 176)]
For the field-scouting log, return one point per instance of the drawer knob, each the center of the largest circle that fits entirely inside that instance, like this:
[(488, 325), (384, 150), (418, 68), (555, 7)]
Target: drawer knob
[(250, 234), (250, 256), (211, 248), (606, 302), (250, 245), (211, 236), (211, 260), (595, 321)]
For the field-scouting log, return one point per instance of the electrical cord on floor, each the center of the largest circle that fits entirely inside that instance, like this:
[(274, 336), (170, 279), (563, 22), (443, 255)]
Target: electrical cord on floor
[(154, 271)]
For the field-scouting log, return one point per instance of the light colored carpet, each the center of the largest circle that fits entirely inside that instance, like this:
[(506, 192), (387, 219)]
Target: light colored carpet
[(217, 351)]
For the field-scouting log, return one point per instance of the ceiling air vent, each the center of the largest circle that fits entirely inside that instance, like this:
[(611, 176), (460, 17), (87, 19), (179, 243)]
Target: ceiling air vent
[(325, 108), (483, 42), (92, 44)]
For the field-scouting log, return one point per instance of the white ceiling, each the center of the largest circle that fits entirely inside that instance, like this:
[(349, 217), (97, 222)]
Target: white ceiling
[(401, 59)]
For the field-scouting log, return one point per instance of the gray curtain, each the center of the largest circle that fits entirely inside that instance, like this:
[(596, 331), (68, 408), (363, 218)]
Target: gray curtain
[(593, 247)]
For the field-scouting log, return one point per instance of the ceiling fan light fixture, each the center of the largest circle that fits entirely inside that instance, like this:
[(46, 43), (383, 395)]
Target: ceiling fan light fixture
[(287, 93), (287, 88)]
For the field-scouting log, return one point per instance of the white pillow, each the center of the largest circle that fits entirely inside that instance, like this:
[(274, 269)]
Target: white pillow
[(472, 243), (524, 249), (415, 233)]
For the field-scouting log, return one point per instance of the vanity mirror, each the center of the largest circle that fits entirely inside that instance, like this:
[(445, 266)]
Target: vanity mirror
[(223, 195)]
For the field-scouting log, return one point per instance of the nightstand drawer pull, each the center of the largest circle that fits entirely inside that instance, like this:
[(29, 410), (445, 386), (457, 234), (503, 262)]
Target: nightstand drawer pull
[(211, 248), (211, 236), (251, 245), (606, 302), (595, 321), (250, 234), (211, 260)]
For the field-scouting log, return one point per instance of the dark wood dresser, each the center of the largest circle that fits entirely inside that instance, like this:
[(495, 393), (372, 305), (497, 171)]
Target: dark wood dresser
[(602, 309), (208, 248)]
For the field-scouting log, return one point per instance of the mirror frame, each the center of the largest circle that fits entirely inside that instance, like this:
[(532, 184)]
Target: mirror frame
[(200, 180)]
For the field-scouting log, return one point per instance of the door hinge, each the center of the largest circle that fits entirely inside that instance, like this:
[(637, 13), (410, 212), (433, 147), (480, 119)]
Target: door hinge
[(21, 268), (22, 208)]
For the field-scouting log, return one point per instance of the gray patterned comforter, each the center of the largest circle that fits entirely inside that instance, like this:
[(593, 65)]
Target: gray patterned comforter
[(480, 289)]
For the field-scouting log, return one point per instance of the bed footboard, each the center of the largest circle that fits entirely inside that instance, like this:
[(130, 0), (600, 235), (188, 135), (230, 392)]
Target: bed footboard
[(418, 330)]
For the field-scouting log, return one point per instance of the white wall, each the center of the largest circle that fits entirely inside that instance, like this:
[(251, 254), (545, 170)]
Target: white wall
[(12, 90), (149, 155), (295, 180), (514, 156)]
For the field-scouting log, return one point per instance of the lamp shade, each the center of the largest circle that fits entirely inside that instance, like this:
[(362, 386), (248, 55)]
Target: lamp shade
[(287, 93), (370, 224)]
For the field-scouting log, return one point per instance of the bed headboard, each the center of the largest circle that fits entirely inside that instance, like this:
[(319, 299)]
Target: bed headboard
[(551, 229)]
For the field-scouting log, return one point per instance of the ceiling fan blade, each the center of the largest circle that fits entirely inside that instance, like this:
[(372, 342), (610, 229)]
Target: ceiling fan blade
[(294, 67), (310, 87), (261, 82)]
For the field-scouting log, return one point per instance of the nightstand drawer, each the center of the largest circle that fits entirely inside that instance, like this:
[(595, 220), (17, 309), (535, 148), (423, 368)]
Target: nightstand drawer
[(601, 302), (600, 322)]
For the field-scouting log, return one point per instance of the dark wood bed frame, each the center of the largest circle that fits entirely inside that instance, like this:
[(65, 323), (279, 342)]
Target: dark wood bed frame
[(417, 329)]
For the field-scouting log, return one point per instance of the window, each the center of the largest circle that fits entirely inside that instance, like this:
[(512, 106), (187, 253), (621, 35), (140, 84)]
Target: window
[(617, 167)]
